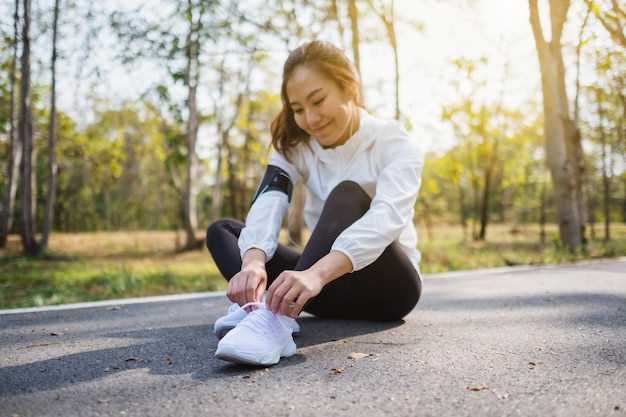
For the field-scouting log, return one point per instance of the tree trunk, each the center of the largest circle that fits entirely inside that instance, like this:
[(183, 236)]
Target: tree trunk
[(542, 215), (390, 27), (295, 218), (484, 205), (476, 204), (624, 200), (487, 176), (556, 116), (353, 12), (15, 146), (191, 77), (232, 176), (224, 128), (246, 164), (25, 127), (462, 211), (606, 183), (216, 194), (52, 133), (335, 12)]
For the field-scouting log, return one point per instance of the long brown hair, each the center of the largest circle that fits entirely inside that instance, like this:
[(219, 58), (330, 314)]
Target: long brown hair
[(333, 64)]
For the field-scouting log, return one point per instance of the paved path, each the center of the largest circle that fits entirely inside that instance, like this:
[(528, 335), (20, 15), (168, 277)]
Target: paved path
[(545, 341)]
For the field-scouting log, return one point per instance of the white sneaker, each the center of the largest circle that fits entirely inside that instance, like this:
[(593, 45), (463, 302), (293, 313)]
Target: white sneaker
[(228, 322), (261, 338), (235, 314)]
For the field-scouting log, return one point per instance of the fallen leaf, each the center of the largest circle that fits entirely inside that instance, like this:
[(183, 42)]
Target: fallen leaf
[(336, 371), (56, 334), (358, 355), (477, 388), (36, 345)]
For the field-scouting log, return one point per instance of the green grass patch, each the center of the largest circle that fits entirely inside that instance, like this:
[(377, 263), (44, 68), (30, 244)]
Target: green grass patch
[(98, 266)]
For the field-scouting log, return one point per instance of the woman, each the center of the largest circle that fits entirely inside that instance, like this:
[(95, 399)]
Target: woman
[(362, 176)]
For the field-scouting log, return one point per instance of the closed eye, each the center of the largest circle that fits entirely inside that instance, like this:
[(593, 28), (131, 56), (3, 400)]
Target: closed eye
[(320, 101)]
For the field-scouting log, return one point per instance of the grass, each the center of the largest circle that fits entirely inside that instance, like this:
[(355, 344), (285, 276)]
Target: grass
[(98, 266), (506, 245), (105, 265)]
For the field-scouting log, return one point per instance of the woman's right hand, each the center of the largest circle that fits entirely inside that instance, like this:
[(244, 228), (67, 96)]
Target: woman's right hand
[(248, 285)]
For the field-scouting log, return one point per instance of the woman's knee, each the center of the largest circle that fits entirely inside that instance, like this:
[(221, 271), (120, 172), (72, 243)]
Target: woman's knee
[(349, 194), (407, 301), (216, 230)]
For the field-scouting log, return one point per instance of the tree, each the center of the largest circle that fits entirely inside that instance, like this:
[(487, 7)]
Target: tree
[(15, 146), (563, 150), (25, 128), (387, 16), (353, 13), (612, 18), (52, 136), (192, 76)]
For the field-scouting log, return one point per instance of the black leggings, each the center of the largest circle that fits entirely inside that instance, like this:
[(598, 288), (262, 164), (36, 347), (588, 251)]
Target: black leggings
[(387, 289)]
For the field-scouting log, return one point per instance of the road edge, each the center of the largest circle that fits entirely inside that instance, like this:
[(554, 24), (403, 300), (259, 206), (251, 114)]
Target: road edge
[(212, 294)]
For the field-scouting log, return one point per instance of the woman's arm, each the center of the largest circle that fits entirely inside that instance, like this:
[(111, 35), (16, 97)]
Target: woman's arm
[(331, 267), (252, 257), (392, 207), (292, 289)]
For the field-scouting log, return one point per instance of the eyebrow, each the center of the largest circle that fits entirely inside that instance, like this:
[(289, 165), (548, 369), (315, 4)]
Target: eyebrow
[(308, 96)]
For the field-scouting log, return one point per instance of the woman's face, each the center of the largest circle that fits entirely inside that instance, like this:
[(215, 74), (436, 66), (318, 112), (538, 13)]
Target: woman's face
[(320, 107)]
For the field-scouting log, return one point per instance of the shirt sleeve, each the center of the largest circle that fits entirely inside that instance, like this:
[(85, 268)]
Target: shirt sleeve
[(391, 208), (265, 217)]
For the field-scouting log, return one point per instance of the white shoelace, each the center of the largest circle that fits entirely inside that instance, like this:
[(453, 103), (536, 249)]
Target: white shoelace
[(262, 318)]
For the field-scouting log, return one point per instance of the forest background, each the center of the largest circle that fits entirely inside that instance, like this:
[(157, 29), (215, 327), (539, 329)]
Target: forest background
[(127, 127)]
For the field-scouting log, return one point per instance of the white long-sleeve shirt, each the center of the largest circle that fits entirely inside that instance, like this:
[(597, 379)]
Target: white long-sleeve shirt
[(382, 159)]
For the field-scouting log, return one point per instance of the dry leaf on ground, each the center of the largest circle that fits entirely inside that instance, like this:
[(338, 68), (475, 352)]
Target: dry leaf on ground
[(358, 355), (477, 388)]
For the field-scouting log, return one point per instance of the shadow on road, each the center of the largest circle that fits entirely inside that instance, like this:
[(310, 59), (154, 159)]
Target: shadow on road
[(166, 351)]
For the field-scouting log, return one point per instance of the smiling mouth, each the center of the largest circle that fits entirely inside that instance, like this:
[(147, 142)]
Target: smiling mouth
[(321, 128)]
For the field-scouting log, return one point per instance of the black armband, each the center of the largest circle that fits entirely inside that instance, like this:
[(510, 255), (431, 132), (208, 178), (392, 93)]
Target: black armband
[(275, 179)]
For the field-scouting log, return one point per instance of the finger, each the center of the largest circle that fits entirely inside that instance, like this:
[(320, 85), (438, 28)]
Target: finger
[(270, 291), (288, 302), (258, 292), (229, 294), (232, 285), (300, 302), (279, 293), (238, 289), (251, 283)]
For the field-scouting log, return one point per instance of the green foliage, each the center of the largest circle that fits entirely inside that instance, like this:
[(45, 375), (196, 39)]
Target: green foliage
[(111, 174)]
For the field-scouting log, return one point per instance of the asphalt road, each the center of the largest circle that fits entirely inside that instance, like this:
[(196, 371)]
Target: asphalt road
[(547, 341)]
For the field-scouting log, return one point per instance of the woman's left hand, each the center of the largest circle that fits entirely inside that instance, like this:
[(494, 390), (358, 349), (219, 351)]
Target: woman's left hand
[(291, 290)]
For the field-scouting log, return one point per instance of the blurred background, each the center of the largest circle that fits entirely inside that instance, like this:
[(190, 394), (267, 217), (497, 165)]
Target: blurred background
[(127, 127)]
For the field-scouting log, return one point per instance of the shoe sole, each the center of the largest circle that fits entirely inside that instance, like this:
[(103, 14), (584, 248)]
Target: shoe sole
[(289, 350), (221, 332)]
